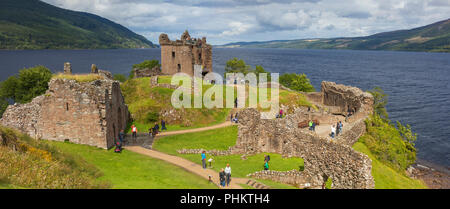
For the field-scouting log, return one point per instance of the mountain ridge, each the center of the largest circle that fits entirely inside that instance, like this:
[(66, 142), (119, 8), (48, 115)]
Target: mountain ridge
[(33, 24), (434, 37)]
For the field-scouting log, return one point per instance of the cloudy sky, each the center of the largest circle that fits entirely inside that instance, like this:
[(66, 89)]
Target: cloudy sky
[(224, 21)]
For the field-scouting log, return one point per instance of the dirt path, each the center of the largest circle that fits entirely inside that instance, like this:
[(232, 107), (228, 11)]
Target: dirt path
[(168, 133), (189, 166)]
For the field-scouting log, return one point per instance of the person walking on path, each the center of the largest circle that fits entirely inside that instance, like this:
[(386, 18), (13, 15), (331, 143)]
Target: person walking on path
[(134, 131), (204, 159), (228, 174), (231, 118), (337, 129), (155, 129), (235, 103), (266, 165), (310, 125), (222, 177), (333, 131), (163, 125), (314, 126), (341, 126)]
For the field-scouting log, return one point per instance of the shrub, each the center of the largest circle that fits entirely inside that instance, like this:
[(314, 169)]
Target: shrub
[(120, 77), (297, 82), (147, 64), (151, 117)]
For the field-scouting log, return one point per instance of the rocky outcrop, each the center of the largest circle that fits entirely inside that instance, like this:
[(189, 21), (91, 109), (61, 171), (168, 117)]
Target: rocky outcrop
[(89, 113)]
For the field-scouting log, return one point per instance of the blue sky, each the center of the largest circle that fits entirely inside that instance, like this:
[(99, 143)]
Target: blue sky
[(224, 21)]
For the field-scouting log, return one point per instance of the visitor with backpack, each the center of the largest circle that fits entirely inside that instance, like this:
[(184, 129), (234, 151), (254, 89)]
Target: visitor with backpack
[(134, 131), (204, 159), (266, 158), (222, 177), (228, 174), (163, 125)]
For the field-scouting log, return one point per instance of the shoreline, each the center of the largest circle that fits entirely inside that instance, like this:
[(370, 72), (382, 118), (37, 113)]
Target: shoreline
[(433, 175)]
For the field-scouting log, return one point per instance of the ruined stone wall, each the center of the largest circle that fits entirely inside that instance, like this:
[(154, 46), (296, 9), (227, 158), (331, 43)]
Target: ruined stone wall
[(182, 55), (89, 113), (346, 97), (147, 72), (322, 158)]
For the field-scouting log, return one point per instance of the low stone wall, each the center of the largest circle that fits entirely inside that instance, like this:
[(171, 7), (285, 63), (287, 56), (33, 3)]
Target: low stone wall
[(294, 177), (199, 151), (147, 72), (350, 134), (347, 167)]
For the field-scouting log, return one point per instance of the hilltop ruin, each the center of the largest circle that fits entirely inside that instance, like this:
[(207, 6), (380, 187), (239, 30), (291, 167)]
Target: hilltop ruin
[(185, 55), (89, 113)]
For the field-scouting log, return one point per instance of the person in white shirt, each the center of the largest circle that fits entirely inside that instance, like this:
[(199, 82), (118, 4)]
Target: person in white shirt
[(333, 131), (228, 174)]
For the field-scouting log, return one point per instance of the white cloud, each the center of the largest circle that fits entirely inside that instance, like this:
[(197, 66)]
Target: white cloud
[(256, 20)]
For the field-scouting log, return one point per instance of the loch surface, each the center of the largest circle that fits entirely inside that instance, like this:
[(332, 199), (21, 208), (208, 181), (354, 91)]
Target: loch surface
[(417, 82)]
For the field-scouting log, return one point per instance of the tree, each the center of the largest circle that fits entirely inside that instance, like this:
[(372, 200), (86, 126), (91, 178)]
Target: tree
[(120, 77), (24, 87), (236, 65), (379, 103), (259, 69), (297, 82)]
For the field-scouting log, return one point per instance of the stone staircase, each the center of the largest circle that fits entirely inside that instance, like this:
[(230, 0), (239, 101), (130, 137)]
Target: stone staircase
[(256, 185)]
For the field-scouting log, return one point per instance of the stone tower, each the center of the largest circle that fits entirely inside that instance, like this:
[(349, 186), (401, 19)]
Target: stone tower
[(185, 55)]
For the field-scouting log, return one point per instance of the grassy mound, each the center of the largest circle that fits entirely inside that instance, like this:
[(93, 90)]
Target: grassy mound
[(129, 170), (145, 103), (78, 77), (385, 176), (221, 139), (29, 163)]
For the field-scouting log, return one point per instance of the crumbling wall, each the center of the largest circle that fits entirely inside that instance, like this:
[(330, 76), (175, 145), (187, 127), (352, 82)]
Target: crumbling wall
[(89, 113), (322, 158), (147, 72), (181, 55), (346, 98)]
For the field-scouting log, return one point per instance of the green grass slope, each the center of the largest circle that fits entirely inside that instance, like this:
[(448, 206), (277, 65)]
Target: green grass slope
[(129, 170), (430, 38), (386, 177), (33, 24), (221, 139)]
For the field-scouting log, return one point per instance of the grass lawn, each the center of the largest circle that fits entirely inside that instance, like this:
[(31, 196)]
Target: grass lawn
[(130, 170), (221, 139), (386, 177)]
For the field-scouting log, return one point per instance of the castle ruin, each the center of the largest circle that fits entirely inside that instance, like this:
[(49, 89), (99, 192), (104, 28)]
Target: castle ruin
[(91, 113), (185, 55)]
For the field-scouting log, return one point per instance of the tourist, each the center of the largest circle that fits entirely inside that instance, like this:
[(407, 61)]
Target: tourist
[(266, 158), (155, 129), (222, 177), (266, 165), (121, 136), (163, 125), (228, 174), (310, 125), (314, 126), (337, 129), (204, 159), (236, 118), (235, 103), (231, 118), (341, 126), (134, 131), (333, 131)]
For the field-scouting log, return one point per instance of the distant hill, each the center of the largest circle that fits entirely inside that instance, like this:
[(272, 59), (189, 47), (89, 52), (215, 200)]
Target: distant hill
[(33, 24), (431, 38)]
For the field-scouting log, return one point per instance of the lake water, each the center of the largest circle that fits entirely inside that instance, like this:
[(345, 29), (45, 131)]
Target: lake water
[(417, 83)]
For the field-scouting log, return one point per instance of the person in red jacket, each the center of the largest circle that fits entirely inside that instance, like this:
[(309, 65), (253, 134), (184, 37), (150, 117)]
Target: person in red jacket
[(134, 131)]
